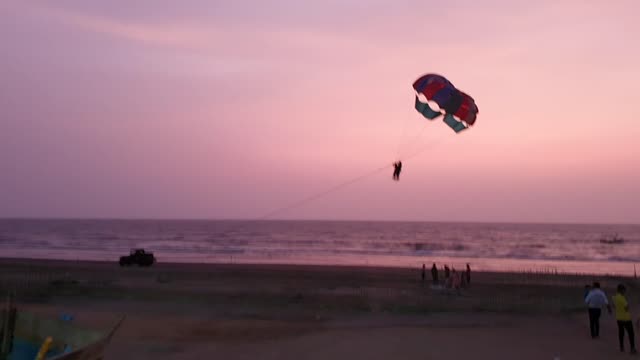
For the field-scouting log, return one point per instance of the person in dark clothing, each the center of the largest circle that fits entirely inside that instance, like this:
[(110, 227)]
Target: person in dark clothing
[(446, 272), (468, 274), (434, 273), (397, 168), (423, 273)]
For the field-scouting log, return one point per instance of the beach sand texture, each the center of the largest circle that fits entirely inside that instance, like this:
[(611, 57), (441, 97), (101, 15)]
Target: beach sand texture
[(192, 311)]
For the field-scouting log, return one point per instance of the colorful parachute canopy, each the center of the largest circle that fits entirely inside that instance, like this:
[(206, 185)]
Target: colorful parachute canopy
[(459, 109)]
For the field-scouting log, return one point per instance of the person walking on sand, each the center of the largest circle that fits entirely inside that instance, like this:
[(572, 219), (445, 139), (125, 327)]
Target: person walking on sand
[(423, 273), (456, 279), (468, 274), (596, 300), (434, 274), (623, 318)]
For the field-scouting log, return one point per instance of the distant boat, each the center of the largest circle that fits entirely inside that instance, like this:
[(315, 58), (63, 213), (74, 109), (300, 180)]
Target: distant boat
[(612, 240)]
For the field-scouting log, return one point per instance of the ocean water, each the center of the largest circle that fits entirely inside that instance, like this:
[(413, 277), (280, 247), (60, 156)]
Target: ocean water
[(487, 246)]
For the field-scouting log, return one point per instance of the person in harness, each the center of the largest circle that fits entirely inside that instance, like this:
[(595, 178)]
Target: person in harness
[(397, 168)]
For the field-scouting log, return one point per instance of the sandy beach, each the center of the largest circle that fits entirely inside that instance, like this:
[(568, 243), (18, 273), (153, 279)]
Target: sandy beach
[(293, 165), (192, 311)]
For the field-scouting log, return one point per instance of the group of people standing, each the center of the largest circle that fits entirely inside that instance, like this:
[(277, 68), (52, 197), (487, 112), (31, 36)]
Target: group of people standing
[(452, 278), (596, 300)]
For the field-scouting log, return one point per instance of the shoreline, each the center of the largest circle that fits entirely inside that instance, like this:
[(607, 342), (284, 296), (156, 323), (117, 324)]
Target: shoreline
[(491, 265)]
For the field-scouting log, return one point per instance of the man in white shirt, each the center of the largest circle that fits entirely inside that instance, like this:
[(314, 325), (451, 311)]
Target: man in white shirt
[(596, 300)]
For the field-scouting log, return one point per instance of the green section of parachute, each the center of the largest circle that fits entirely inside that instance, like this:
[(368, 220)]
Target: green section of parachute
[(425, 110), (429, 113)]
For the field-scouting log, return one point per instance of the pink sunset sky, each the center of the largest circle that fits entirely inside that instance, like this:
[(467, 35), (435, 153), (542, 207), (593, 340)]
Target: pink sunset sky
[(231, 109)]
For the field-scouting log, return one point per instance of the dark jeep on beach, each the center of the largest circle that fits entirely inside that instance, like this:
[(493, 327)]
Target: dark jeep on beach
[(138, 257)]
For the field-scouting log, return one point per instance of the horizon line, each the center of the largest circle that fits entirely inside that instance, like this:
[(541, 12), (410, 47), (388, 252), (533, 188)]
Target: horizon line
[(513, 222)]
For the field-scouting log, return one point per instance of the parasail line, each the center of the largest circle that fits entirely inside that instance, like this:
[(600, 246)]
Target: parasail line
[(323, 193)]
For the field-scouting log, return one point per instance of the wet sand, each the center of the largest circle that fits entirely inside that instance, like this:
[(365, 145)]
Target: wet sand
[(193, 311)]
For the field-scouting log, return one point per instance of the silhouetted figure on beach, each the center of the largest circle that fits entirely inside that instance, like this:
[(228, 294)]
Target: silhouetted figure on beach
[(446, 272), (596, 300), (623, 318), (434, 273), (457, 279), (468, 274), (397, 168), (423, 273)]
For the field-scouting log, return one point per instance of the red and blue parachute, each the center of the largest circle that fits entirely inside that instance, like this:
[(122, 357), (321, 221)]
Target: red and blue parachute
[(459, 109)]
